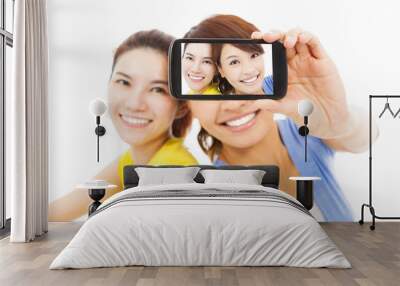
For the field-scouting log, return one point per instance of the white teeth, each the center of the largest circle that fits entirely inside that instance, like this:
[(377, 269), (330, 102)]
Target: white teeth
[(241, 121), (250, 80), (135, 120), (196, 77)]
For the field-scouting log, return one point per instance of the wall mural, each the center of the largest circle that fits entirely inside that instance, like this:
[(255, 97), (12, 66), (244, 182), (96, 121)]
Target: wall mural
[(154, 125)]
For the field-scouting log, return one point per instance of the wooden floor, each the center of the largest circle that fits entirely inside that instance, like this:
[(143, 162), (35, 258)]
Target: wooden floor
[(374, 255)]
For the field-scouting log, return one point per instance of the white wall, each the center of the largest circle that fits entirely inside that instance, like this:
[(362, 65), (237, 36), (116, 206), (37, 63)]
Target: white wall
[(361, 36)]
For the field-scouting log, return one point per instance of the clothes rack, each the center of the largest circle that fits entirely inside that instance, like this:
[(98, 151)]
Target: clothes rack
[(370, 205)]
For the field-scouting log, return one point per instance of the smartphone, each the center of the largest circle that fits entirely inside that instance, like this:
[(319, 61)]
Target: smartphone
[(233, 69)]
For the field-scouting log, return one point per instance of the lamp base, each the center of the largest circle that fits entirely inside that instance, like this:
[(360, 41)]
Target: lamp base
[(96, 195), (304, 193)]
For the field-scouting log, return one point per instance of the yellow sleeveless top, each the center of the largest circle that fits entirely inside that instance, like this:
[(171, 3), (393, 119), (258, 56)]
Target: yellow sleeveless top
[(211, 89), (171, 153)]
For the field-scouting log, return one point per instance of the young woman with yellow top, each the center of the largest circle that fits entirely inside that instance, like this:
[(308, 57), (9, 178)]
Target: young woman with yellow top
[(146, 117), (199, 70)]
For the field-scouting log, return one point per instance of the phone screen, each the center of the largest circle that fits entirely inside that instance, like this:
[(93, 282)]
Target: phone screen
[(226, 68)]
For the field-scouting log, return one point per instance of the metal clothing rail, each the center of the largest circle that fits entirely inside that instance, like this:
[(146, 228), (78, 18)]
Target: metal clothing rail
[(369, 205)]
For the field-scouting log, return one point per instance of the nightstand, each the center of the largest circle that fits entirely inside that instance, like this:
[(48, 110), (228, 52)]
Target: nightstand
[(97, 190), (304, 190)]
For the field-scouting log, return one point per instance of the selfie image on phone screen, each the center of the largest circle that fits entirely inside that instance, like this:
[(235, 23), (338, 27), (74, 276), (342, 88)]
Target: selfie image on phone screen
[(226, 68)]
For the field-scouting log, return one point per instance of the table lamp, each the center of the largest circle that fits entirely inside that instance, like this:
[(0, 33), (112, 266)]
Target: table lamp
[(305, 108), (98, 107)]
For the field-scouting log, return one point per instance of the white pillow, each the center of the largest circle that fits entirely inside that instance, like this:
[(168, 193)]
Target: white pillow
[(162, 176), (248, 177)]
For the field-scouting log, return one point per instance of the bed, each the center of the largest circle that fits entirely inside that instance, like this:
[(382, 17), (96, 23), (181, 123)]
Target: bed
[(201, 223)]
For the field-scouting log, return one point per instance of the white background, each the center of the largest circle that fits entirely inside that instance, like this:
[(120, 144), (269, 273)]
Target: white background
[(362, 37)]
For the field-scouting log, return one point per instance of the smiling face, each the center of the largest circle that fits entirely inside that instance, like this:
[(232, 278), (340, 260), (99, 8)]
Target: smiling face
[(198, 67), (140, 106), (245, 71), (237, 123)]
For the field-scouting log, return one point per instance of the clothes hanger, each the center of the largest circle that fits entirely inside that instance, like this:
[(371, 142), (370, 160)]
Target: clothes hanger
[(387, 107), (397, 113)]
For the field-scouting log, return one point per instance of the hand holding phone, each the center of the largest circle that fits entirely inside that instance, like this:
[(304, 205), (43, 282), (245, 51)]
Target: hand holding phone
[(312, 75), (217, 69)]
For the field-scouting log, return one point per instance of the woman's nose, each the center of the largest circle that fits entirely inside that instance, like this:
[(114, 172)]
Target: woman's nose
[(196, 66), (248, 68), (136, 100), (234, 105)]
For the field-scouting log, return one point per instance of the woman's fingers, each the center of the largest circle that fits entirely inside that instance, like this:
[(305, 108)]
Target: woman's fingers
[(296, 41), (269, 37), (269, 104), (291, 38), (301, 46), (313, 44), (293, 41), (256, 35), (288, 39)]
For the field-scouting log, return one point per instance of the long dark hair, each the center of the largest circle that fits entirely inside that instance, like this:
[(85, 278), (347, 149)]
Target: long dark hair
[(221, 26), (160, 42)]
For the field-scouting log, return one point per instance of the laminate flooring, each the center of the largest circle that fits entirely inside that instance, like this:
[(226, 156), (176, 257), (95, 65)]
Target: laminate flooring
[(374, 255)]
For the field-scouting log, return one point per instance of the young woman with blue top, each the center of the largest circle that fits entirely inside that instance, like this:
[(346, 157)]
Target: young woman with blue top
[(245, 132), (241, 68)]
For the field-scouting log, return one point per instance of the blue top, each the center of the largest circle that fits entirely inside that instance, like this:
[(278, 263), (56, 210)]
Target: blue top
[(328, 195), (268, 85)]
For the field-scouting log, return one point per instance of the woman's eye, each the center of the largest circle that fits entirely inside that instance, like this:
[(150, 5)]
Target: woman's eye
[(234, 62), (158, 90), (189, 58), (208, 62), (255, 55), (123, 82)]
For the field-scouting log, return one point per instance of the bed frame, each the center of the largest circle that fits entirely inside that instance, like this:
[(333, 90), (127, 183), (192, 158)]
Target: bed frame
[(304, 189), (270, 179)]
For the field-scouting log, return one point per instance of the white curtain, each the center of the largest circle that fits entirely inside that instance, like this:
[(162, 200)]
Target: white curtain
[(27, 123)]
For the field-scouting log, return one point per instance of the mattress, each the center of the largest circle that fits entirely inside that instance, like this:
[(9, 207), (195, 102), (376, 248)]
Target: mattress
[(201, 225)]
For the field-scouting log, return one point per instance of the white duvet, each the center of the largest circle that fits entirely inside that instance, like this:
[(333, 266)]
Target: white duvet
[(190, 230)]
